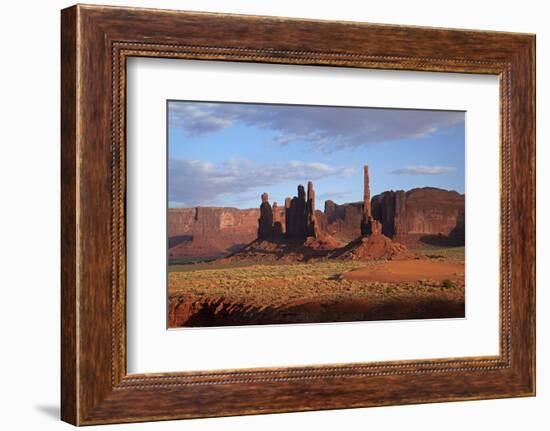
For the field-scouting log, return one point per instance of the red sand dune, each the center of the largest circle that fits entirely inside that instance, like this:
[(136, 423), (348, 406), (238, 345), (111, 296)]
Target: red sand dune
[(408, 270)]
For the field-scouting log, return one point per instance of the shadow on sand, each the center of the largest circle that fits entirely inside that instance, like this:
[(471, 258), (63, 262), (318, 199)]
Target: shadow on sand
[(210, 313)]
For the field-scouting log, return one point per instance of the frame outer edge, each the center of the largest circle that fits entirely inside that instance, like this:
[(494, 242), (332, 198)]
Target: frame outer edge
[(523, 217), (533, 54), (88, 397), (532, 82), (69, 196), (531, 64)]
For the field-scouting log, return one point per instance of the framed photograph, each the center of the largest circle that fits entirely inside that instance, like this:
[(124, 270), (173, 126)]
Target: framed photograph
[(264, 214)]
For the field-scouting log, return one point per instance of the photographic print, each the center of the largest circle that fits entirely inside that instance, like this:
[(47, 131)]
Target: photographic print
[(285, 214)]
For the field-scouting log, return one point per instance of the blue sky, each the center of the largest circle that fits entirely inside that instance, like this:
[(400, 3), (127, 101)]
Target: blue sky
[(228, 154)]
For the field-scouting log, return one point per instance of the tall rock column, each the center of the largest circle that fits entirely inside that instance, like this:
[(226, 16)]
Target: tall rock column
[(265, 222), (368, 224), (300, 213), (288, 217), (312, 225), (367, 214)]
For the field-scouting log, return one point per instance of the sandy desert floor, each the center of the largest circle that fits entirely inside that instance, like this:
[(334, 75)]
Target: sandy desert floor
[(229, 294)]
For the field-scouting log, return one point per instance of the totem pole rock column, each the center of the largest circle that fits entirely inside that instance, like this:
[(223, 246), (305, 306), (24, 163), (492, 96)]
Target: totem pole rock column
[(288, 217), (312, 225), (367, 214), (300, 219), (265, 222), (368, 224)]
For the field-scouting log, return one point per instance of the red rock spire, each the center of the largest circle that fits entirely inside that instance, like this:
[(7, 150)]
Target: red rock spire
[(368, 224), (366, 194)]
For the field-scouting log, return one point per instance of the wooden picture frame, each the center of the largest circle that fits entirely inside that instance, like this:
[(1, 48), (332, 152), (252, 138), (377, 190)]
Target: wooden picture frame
[(95, 43)]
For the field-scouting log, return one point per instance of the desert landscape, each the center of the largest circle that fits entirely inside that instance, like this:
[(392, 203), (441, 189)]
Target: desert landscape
[(395, 255)]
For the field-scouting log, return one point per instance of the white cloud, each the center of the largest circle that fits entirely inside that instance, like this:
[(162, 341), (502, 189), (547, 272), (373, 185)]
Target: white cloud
[(197, 119), (198, 182), (424, 170), (326, 128)]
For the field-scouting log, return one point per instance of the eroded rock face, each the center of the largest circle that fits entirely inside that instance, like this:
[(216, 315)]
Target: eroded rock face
[(342, 221), (424, 215), (180, 225), (457, 234), (213, 231)]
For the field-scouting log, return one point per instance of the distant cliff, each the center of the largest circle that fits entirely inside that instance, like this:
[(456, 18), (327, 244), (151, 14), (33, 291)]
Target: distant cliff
[(209, 231), (421, 216), (342, 221)]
